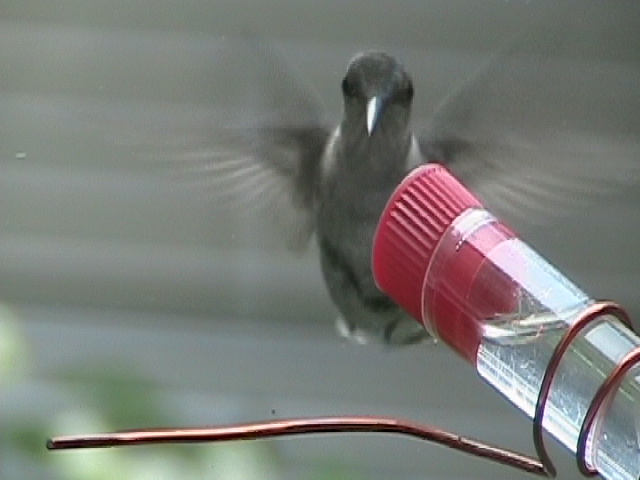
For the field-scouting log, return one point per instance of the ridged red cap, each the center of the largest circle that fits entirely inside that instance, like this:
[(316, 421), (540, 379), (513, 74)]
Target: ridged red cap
[(423, 206)]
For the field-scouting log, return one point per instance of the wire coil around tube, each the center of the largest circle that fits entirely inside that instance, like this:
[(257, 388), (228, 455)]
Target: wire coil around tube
[(606, 390)]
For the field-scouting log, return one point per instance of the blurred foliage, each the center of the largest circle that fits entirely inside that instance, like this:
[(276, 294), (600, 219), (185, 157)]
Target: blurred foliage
[(106, 396), (14, 357), (333, 471), (122, 396)]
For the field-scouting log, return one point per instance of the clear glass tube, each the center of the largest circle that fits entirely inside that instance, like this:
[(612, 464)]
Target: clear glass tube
[(517, 307)]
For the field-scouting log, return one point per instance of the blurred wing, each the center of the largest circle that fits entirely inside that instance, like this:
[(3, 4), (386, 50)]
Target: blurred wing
[(249, 147), (537, 131), (538, 183), (268, 173), (237, 131), (261, 158)]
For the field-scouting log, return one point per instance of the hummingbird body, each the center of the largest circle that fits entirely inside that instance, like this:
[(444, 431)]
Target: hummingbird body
[(345, 228), (367, 155)]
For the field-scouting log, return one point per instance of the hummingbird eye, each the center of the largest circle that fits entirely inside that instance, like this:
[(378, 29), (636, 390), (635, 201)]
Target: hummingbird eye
[(410, 91), (406, 94), (348, 88)]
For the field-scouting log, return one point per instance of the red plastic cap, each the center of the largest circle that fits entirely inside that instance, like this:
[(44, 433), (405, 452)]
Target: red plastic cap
[(419, 212)]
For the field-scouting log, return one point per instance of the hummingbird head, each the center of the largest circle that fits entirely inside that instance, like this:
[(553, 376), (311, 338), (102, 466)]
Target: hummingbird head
[(377, 94)]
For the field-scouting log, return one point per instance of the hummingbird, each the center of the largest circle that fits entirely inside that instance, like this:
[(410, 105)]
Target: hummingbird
[(365, 158), (334, 182)]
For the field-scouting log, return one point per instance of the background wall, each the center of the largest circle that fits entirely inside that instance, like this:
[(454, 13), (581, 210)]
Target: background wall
[(129, 299)]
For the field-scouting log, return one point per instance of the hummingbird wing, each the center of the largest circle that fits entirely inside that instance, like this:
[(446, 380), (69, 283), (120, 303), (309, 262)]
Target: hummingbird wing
[(538, 131), (241, 137), (261, 157)]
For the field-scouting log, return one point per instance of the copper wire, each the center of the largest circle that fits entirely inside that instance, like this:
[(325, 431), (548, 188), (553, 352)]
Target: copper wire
[(297, 426), (602, 400), (586, 317)]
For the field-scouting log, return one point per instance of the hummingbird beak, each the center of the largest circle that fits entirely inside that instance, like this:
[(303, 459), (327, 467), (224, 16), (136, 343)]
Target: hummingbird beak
[(374, 109)]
